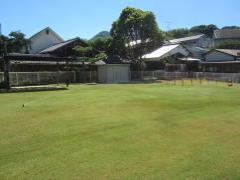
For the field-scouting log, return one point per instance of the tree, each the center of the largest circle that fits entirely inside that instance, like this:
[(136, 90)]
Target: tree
[(204, 29), (177, 33), (231, 27), (102, 44), (83, 51), (3, 44), (17, 42), (229, 44), (133, 30)]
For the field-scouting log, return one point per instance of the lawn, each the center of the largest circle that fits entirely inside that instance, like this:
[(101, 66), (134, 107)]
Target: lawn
[(130, 131)]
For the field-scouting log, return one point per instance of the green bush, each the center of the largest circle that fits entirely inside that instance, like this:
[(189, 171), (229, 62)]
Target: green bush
[(2, 85), (229, 44)]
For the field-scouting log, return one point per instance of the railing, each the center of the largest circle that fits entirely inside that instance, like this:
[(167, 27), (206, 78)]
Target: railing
[(162, 75), (41, 78)]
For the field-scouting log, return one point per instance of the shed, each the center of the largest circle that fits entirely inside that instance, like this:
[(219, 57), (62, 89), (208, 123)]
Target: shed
[(114, 73)]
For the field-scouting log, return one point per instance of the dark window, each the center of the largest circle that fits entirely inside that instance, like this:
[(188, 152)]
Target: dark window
[(47, 31)]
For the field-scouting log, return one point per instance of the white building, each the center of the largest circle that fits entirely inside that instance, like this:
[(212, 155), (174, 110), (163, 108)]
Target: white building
[(43, 39), (114, 73), (165, 52)]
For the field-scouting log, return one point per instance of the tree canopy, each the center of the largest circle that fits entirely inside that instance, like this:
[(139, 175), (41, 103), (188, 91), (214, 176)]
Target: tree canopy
[(133, 30), (204, 29), (102, 44), (14, 43), (177, 33), (231, 27), (229, 44)]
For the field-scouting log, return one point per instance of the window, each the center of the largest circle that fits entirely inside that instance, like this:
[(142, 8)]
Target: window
[(47, 31)]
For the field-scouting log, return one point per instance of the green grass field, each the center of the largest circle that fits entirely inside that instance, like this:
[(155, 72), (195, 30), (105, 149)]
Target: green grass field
[(138, 131)]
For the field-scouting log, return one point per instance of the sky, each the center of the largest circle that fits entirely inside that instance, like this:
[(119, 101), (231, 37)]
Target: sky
[(86, 18)]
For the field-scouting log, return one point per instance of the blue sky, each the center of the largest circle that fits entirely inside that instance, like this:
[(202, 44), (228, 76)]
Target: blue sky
[(85, 18)]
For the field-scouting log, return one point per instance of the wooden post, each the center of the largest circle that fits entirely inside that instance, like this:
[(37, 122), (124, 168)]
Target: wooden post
[(182, 82), (6, 72)]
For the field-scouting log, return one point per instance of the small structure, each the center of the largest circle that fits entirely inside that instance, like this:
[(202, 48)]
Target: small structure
[(200, 40), (114, 73), (225, 34), (43, 39), (222, 60)]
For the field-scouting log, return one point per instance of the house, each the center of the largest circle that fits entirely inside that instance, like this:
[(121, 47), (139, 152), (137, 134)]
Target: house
[(157, 59), (222, 60), (225, 34), (43, 39), (166, 51), (64, 48), (200, 40)]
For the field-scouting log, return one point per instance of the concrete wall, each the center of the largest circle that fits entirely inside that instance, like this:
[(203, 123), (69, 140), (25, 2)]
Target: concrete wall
[(43, 40), (114, 73), (218, 57)]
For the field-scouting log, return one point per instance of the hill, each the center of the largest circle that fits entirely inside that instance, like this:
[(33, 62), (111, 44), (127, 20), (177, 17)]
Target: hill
[(102, 34)]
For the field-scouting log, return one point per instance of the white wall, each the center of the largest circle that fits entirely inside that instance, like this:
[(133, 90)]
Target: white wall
[(43, 41), (218, 56), (114, 73)]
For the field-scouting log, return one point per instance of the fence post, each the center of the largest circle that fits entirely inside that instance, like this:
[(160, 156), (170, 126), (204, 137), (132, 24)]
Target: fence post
[(74, 77), (175, 83), (38, 76), (182, 81), (17, 78), (90, 76)]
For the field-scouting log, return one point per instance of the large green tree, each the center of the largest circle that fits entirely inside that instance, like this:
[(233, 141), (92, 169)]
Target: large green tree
[(204, 29), (135, 32)]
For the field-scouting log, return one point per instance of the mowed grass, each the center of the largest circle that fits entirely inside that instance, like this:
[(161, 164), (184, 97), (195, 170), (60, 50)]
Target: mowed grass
[(134, 131)]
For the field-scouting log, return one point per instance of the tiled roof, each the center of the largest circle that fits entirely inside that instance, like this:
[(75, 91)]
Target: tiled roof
[(58, 46)]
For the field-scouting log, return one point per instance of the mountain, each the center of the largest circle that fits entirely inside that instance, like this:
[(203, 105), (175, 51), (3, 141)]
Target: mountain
[(102, 34)]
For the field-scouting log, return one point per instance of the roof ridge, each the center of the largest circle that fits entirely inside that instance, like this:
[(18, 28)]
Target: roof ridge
[(49, 28)]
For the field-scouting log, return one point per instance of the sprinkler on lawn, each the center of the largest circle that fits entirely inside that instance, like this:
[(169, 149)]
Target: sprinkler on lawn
[(230, 83)]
